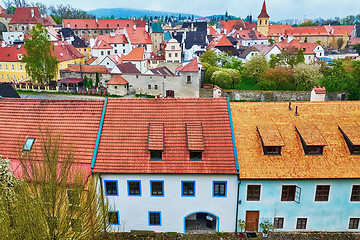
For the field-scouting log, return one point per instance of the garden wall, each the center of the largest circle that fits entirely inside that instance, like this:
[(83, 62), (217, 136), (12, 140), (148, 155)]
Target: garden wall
[(277, 96)]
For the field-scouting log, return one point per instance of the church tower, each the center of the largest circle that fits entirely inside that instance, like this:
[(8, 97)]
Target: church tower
[(263, 21)]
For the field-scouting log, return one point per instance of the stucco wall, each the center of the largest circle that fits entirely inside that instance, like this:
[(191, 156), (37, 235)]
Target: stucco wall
[(133, 210), (331, 215)]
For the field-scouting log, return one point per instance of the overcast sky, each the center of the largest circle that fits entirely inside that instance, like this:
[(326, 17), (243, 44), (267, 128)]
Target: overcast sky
[(277, 9)]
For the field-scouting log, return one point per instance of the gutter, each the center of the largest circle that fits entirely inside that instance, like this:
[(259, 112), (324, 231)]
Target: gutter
[(98, 135), (236, 162)]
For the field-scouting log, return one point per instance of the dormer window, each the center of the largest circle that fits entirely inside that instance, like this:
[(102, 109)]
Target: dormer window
[(28, 144), (271, 140), (195, 141), (311, 139), (156, 141), (351, 135)]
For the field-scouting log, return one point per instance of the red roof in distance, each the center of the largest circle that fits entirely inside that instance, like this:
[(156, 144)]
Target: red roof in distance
[(137, 54), (190, 67), (118, 80)]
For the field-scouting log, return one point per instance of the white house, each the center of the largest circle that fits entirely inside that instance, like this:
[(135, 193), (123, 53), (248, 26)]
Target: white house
[(173, 51), (166, 168), (138, 58)]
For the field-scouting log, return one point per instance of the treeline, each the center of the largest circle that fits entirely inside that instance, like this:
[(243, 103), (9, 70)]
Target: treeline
[(57, 12)]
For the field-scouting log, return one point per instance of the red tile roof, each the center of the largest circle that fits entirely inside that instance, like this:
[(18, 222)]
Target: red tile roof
[(124, 142), (85, 68), (137, 54), (10, 54), (102, 23), (263, 13), (91, 60), (307, 47), (117, 39), (236, 24), (307, 31), (77, 121), (278, 30), (190, 67), (319, 90), (138, 36), (249, 35), (23, 15), (156, 136), (354, 41), (194, 137), (2, 10), (212, 31), (340, 30), (118, 80), (65, 52), (102, 45)]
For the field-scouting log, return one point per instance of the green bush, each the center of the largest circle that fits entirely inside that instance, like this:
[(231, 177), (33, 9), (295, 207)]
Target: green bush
[(209, 72), (221, 79), (354, 94)]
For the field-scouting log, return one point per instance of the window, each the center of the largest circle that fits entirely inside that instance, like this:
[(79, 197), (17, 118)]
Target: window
[(169, 55), (322, 192), (155, 155), (154, 218), (12, 66), (149, 86), (114, 218), (115, 87), (111, 188), (123, 50), (253, 192), (157, 188), (314, 150), (115, 51), (28, 144), (73, 197), (188, 79), (288, 193), (278, 223), (355, 193), (195, 155), (108, 52), (272, 150), (219, 189), (176, 54), (301, 223), (156, 87), (172, 47), (20, 67), (102, 53), (349, 132), (188, 188), (134, 188), (354, 223)]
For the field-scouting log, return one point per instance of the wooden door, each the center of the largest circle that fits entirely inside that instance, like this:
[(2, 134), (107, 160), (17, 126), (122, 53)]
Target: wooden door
[(252, 221)]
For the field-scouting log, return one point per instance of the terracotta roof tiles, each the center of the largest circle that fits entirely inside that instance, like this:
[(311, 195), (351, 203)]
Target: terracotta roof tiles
[(118, 80)]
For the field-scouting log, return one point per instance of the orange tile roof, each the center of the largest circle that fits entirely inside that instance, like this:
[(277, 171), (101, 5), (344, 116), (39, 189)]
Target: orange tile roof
[(311, 135), (352, 132), (117, 39), (65, 52), (189, 67), (212, 31), (91, 60), (102, 45), (278, 30), (124, 142), (336, 161), (307, 47), (139, 36), (270, 136), (102, 23), (340, 30), (236, 24), (194, 136), (307, 31), (137, 54), (249, 35), (118, 80), (77, 121), (156, 136)]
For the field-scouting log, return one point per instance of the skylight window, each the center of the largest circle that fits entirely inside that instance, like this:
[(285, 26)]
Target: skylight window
[(28, 144)]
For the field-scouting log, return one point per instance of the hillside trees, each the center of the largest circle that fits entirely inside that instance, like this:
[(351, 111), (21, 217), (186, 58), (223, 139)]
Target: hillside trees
[(307, 76)]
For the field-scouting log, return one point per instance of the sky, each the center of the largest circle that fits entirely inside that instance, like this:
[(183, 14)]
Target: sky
[(277, 9)]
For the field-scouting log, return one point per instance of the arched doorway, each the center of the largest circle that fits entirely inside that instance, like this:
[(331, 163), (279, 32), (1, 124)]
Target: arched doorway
[(201, 222)]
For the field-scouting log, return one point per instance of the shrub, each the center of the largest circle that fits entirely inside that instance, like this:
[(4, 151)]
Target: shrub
[(221, 79)]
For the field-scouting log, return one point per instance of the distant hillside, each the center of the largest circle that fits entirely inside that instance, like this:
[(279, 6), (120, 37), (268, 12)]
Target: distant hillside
[(128, 12)]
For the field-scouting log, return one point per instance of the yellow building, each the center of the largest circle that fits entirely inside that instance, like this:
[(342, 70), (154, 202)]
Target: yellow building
[(263, 21), (13, 70)]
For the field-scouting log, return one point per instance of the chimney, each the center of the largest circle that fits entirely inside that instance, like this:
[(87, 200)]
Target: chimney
[(32, 12), (68, 25), (96, 20), (134, 27), (192, 26)]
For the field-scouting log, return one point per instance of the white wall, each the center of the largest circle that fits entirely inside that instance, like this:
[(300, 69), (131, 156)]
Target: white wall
[(133, 210)]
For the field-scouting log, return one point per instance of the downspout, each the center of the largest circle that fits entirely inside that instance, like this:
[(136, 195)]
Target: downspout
[(98, 136), (236, 163)]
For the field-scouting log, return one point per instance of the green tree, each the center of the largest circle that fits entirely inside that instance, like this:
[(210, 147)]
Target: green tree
[(357, 48), (256, 66), (41, 65), (274, 60), (338, 78), (234, 74), (300, 58), (274, 77), (52, 201), (209, 57), (307, 76), (223, 59), (221, 79), (271, 41), (209, 72), (340, 43)]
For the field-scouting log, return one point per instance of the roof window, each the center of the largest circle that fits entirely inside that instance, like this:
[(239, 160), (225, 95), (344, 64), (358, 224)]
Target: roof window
[(311, 139), (271, 140), (28, 144), (351, 135)]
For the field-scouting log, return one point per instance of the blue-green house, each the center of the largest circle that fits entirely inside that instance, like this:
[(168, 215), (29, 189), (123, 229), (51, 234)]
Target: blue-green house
[(299, 165)]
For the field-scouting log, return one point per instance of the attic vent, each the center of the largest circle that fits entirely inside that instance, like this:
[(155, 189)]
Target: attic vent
[(195, 141), (86, 25), (311, 139)]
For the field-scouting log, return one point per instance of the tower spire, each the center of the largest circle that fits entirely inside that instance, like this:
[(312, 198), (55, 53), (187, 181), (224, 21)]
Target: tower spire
[(263, 13)]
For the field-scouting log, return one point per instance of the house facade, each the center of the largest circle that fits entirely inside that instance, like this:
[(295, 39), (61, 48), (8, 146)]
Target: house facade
[(163, 173), (298, 165)]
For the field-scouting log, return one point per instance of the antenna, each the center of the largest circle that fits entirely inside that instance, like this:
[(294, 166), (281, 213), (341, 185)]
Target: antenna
[(296, 111)]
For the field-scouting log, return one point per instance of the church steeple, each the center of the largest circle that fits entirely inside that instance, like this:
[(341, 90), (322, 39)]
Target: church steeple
[(263, 21)]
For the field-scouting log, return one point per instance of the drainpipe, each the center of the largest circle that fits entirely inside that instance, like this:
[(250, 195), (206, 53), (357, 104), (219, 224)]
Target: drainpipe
[(237, 203)]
